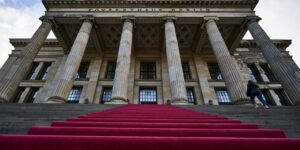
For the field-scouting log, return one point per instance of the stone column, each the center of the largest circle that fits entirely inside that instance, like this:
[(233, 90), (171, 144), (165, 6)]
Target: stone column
[(275, 97), (67, 77), (7, 65), (177, 83), (45, 91), (165, 78), (92, 85), (37, 72), (203, 74), (10, 82), (119, 91), (261, 72), (230, 73), (288, 75), (25, 95)]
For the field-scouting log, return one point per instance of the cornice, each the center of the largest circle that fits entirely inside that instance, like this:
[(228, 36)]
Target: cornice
[(278, 42), (160, 3), (244, 43), (23, 42)]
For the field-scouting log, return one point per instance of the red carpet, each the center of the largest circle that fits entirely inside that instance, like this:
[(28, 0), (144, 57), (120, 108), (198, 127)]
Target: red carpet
[(149, 127)]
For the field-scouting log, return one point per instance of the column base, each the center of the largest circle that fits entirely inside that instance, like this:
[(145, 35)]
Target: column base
[(242, 101), (2, 100), (116, 102), (296, 103), (56, 100), (180, 102)]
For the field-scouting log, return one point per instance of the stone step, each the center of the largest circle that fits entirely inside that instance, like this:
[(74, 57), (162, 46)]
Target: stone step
[(285, 118), (18, 118)]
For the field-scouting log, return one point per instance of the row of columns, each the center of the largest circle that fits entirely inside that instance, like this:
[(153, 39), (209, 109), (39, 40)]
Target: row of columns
[(288, 76), (11, 80)]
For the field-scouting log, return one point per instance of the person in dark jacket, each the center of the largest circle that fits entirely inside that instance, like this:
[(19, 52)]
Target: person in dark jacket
[(253, 91)]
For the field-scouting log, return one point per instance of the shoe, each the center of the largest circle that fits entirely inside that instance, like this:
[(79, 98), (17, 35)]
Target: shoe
[(267, 107), (256, 106)]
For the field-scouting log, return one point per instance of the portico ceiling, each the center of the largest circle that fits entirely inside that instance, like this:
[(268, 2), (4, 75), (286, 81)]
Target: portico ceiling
[(148, 33)]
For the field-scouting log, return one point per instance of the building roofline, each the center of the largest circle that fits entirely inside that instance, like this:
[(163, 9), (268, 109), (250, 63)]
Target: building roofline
[(161, 3), (22, 42), (283, 43)]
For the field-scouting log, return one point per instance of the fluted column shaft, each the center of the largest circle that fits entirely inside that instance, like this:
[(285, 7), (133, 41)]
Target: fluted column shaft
[(229, 71), (176, 78), (119, 91), (285, 72), (67, 77), (10, 82)]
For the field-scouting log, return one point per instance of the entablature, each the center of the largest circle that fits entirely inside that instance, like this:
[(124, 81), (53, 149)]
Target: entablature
[(280, 43), (150, 3), (283, 43), (23, 42)]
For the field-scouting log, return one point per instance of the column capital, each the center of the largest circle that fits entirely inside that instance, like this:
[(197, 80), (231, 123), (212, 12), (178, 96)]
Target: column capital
[(88, 18), (128, 19), (169, 19), (208, 18), (252, 19), (48, 19)]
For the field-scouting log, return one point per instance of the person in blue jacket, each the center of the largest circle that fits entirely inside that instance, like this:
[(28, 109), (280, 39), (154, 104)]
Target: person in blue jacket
[(253, 91)]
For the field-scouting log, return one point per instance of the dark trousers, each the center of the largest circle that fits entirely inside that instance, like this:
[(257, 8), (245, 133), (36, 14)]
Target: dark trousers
[(257, 93)]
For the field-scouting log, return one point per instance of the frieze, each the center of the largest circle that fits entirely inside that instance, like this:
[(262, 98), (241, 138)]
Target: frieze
[(148, 9)]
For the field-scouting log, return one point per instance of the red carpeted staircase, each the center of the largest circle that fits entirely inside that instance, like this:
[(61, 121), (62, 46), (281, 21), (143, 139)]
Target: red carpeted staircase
[(149, 127)]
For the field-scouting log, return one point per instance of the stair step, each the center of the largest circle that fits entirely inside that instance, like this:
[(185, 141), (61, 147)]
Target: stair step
[(155, 120), (46, 142), (154, 125), (151, 117), (168, 132)]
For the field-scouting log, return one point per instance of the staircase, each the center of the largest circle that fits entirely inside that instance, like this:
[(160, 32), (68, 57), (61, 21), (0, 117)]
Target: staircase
[(286, 118), (148, 127)]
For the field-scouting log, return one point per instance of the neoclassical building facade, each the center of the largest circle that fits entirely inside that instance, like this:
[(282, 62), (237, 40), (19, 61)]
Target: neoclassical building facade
[(149, 52)]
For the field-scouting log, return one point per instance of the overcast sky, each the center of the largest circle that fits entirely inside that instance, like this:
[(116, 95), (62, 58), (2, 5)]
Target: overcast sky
[(19, 19)]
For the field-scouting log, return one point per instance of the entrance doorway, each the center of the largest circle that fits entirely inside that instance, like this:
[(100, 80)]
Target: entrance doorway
[(147, 96)]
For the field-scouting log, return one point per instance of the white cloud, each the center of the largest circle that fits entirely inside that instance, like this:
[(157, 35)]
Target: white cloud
[(280, 21), (19, 22)]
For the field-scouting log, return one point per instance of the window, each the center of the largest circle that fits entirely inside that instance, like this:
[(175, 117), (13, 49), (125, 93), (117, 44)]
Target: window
[(268, 72), (82, 71), (19, 94), (74, 95), (268, 98), (110, 72), (106, 95), (222, 96), (148, 96), (283, 98), (254, 73), (186, 71), (32, 71), (214, 71), (32, 95), (190, 95), (148, 70), (45, 71)]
